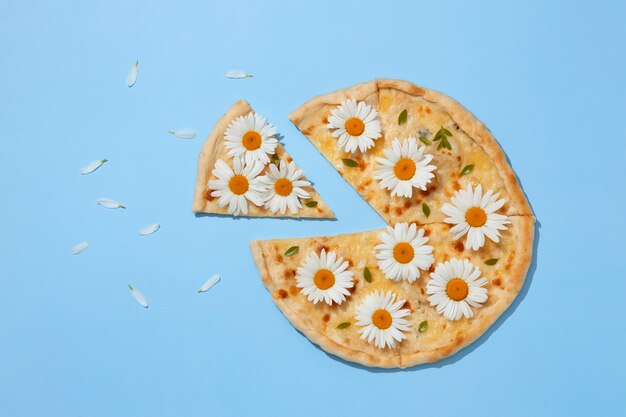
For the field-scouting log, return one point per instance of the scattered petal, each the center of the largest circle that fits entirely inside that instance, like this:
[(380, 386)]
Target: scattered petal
[(80, 247), (183, 134), (132, 74), (210, 283), (92, 166), (236, 74), (148, 230), (111, 204), (138, 296)]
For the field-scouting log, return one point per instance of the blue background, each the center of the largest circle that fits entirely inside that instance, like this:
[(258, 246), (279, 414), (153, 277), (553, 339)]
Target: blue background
[(548, 79)]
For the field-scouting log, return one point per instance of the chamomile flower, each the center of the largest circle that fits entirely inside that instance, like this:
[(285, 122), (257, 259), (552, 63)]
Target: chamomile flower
[(382, 319), (356, 125), (404, 167), (474, 214), (456, 286), (251, 137), (325, 277), (236, 186), (403, 252), (283, 187)]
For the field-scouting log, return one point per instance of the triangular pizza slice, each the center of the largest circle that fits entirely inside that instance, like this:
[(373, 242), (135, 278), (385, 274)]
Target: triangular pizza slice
[(243, 170), (395, 297), (408, 151)]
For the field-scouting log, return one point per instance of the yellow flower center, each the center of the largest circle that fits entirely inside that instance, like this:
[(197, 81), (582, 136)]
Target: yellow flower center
[(283, 187), (355, 126), (475, 216), (404, 169), (238, 184), (324, 279), (251, 140), (382, 319), (457, 289), (403, 252)]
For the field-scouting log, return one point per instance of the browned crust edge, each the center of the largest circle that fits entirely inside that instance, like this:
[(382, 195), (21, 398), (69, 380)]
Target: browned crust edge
[(208, 156), (463, 117), (312, 333)]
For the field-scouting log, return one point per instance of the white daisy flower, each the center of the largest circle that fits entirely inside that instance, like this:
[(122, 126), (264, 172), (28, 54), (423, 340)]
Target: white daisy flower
[(283, 187), (251, 137), (455, 286), (356, 125), (403, 252), (382, 319), (405, 167), (325, 277), (235, 187), (473, 214)]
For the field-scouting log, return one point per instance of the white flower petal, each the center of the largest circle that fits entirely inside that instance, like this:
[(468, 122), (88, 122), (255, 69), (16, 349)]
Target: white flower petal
[(92, 166), (148, 230), (110, 204), (80, 247), (132, 74), (236, 74), (210, 283), (183, 133), (138, 296)]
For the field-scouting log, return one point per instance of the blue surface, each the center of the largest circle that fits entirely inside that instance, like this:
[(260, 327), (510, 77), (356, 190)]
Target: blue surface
[(548, 79)]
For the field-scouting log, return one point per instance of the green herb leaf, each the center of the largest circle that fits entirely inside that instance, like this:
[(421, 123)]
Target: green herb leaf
[(445, 131), (367, 274), (350, 163), (442, 135), (344, 325), (426, 209), (311, 204), (292, 250), (402, 117), (491, 261), (422, 326), (467, 169), (424, 140), (275, 160)]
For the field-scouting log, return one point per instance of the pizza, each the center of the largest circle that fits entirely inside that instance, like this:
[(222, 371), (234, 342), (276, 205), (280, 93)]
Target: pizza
[(243, 170), (402, 119), (454, 255)]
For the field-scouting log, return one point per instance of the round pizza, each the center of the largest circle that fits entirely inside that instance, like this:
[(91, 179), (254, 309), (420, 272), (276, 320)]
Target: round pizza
[(457, 248)]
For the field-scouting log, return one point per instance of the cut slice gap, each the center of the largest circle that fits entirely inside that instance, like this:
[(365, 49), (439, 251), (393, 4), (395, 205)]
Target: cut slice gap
[(427, 112), (214, 148), (318, 322)]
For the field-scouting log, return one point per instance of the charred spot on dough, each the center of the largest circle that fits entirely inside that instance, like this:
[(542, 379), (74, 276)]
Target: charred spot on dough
[(279, 258), (386, 208), (432, 268), (207, 195), (308, 130), (289, 159), (422, 290), (281, 294), (399, 210), (323, 248), (426, 231), (326, 318), (294, 290), (455, 185), (407, 305), (367, 182), (408, 204), (458, 158), (353, 289), (458, 246), (456, 126), (497, 282), (325, 120), (459, 339), (290, 273), (427, 110)]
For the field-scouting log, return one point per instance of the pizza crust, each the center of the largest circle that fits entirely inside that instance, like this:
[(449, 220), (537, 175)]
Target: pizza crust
[(214, 149)]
